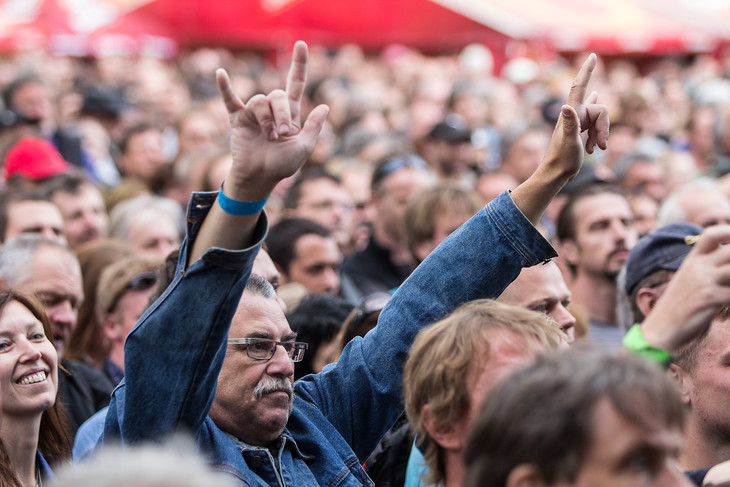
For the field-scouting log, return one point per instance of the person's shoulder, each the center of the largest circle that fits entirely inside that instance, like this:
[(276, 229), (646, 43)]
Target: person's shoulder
[(85, 372)]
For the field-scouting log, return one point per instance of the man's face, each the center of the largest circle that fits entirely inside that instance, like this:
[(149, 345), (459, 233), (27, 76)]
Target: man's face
[(42, 217), (706, 208), (152, 233), (648, 177), (453, 158), (327, 203), (542, 288), (84, 214), (444, 225), (55, 278), (625, 454), (392, 199), (604, 235), (709, 382), (316, 265), (255, 419), (526, 154), (33, 101), (144, 155)]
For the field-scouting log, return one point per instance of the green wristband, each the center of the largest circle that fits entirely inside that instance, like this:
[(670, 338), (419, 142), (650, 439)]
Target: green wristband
[(635, 342)]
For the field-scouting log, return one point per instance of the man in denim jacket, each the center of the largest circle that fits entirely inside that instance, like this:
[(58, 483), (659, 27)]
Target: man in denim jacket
[(181, 372)]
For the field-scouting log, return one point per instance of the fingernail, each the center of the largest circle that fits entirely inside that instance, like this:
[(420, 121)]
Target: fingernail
[(566, 112), (284, 129)]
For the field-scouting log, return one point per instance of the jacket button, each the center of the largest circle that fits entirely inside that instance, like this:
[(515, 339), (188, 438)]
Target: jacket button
[(256, 461)]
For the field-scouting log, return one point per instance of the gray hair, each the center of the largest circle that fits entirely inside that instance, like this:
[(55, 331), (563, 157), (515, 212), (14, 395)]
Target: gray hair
[(124, 212), (173, 464), (671, 211), (17, 253), (259, 286)]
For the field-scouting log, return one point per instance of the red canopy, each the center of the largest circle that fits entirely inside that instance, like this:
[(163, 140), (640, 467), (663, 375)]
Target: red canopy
[(47, 26), (268, 24), (606, 27)]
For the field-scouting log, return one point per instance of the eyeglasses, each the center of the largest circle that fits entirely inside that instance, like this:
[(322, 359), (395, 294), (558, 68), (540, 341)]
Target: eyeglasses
[(264, 348), (140, 282)]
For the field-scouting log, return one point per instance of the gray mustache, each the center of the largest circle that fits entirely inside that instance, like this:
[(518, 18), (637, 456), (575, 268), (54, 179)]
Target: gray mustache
[(272, 384)]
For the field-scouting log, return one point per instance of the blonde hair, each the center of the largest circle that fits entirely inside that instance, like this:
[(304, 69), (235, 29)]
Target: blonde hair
[(443, 356)]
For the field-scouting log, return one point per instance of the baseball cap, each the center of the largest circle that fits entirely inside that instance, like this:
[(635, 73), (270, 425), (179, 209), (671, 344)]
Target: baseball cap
[(453, 129), (35, 159), (663, 249)]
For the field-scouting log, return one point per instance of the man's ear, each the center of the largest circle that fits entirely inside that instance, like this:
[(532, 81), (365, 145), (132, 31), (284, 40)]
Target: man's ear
[(111, 327), (449, 439), (525, 475), (284, 275), (569, 251), (683, 381), (646, 298)]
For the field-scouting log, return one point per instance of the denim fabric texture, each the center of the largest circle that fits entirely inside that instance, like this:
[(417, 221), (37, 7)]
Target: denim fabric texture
[(174, 354)]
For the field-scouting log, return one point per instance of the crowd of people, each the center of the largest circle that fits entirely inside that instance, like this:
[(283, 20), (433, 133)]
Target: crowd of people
[(392, 224)]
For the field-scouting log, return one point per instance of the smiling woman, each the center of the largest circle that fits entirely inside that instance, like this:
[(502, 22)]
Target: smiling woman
[(34, 428)]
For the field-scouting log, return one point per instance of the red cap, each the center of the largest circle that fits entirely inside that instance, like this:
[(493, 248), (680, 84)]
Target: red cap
[(34, 158)]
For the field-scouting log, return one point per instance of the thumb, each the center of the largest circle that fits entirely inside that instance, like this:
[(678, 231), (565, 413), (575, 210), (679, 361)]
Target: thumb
[(313, 125), (571, 124)]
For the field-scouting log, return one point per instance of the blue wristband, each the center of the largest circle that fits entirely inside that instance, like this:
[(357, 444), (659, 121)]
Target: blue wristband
[(239, 208)]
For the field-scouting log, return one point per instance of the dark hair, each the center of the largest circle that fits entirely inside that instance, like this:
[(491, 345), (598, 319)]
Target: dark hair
[(54, 440), (294, 193), (316, 319), (17, 84), (362, 319), (686, 356), (283, 237), (566, 224), (552, 402), (139, 128), (17, 196), (655, 279), (7, 474), (64, 183)]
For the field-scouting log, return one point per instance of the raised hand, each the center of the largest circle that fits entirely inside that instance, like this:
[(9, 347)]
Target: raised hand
[(697, 291), (593, 117), (564, 155), (268, 140)]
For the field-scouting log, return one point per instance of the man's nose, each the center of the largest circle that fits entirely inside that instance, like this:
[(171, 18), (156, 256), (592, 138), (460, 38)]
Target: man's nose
[(281, 364)]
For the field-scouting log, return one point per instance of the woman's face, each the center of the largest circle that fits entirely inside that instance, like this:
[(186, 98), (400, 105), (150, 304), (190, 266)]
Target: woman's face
[(28, 364)]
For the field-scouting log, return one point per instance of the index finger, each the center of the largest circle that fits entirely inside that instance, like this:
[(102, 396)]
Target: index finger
[(580, 83), (296, 80)]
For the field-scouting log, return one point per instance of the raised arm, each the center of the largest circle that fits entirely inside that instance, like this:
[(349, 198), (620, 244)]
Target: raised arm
[(268, 144), (174, 354), (581, 114)]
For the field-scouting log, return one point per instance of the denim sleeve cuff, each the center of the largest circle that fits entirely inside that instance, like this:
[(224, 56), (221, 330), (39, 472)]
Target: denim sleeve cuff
[(523, 237), (198, 208)]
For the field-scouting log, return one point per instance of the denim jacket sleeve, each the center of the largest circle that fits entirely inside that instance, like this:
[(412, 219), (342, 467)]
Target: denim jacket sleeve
[(361, 395), (173, 355)]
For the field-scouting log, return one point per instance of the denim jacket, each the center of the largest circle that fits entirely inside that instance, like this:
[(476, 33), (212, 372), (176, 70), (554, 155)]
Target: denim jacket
[(174, 354)]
